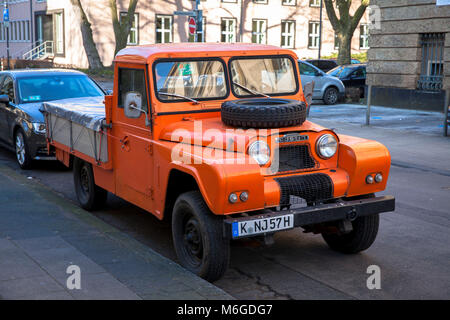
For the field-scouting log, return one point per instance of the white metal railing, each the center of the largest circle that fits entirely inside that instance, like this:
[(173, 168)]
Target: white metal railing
[(41, 51)]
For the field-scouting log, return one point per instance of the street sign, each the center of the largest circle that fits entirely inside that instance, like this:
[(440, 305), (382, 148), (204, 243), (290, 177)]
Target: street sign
[(185, 13), (192, 26), (5, 14)]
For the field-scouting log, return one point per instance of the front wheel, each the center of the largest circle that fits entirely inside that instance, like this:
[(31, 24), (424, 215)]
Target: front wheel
[(22, 151), (331, 96), (198, 237), (90, 196), (365, 230)]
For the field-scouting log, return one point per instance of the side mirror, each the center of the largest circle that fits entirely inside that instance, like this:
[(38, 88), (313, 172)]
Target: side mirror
[(109, 92), (319, 74), (4, 98), (133, 106)]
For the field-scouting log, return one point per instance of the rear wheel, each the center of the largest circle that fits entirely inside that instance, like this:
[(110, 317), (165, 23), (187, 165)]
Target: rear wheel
[(22, 151), (198, 237), (90, 196)]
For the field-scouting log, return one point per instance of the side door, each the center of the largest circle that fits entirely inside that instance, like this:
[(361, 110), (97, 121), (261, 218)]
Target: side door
[(6, 109), (132, 143)]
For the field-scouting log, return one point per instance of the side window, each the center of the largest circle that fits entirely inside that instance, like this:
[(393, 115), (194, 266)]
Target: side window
[(8, 88), (132, 81), (307, 70), (360, 73)]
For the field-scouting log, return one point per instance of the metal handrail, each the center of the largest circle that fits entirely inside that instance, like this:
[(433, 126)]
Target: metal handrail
[(41, 51)]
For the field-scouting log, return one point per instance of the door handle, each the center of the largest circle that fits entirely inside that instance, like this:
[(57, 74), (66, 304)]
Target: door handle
[(125, 143)]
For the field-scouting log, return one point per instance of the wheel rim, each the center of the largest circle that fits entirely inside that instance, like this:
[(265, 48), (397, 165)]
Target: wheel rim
[(192, 240), (332, 96), (20, 149)]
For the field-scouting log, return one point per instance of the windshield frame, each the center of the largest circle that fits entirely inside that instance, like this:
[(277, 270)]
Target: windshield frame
[(21, 101), (294, 64), (225, 71)]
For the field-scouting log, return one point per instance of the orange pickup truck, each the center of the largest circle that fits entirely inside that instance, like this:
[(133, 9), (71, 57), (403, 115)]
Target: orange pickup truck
[(214, 137)]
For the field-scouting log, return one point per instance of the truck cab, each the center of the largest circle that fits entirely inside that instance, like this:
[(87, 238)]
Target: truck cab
[(215, 138)]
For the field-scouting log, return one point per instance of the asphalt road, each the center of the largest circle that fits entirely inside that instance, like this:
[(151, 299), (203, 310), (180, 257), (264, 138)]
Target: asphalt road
[(412, 248)]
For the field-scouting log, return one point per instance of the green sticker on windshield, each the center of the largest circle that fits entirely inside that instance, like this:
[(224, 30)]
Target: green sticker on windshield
[(34, 98), (186, 69)]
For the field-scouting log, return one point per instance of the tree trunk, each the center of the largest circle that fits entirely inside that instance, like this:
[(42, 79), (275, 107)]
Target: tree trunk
[(122, 26), (88, 40), (345, 49)]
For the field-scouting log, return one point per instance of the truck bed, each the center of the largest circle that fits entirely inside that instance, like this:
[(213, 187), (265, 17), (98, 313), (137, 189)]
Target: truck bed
[(77, 124)]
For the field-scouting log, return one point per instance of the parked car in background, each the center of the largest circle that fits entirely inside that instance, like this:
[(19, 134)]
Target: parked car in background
[(352, 75), (327, 64), (327, 88), (22, 92), (323, 64)]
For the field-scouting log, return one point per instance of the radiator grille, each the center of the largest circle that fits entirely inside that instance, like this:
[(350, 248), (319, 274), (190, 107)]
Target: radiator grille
[(295, 157), (310, 188)]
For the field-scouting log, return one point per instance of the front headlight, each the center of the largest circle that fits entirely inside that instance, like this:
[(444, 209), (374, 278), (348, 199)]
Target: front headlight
[(326, 146), (260, 152), (39, 127)]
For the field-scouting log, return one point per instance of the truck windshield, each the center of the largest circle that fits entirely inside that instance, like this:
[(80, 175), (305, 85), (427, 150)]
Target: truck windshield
[(200, 79), (268, 76), (56, 87)]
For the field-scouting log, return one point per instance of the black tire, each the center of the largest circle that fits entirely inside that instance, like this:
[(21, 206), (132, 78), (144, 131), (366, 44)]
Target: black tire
[(363, 235), (23, 156), (264, 113), (90, 196), (198, 237), (331, 96)]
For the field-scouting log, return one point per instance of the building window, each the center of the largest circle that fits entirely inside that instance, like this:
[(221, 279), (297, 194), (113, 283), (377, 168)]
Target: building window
[(201, 36), (289, 2), (58, 21), (259, 31), (164, 25), (287, 34), (228, 30), (133, 37), (364, 36), (229, 1), (314, 3), (432, 69), (260, 1), (19, 31), (314, 35)]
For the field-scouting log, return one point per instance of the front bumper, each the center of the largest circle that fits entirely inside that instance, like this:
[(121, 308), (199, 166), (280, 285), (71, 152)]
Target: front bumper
[(341, 210)]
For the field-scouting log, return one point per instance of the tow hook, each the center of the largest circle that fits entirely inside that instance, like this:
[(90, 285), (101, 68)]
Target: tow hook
[(352, 214)]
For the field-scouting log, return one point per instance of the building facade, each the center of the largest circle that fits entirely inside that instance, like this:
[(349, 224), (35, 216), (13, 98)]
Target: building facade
[(409, 56), (287, 23)]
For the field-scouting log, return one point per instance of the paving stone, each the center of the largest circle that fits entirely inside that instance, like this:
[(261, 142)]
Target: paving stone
[(102, 286), (28, 287), (7, 245), (16, 265), (43, 243), (55, 261)]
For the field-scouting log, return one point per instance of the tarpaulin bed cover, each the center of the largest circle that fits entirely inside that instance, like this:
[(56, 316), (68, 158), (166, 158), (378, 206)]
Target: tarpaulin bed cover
[(88, 112)]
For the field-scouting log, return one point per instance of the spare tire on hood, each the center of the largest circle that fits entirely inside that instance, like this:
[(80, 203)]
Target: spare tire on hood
[(263, 113)]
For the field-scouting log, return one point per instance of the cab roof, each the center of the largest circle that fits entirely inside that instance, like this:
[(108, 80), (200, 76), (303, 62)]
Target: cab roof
[(145, 53)]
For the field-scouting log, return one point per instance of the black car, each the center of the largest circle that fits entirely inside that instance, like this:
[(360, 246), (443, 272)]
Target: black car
[(22, 92), (352, 75), (323, 64)]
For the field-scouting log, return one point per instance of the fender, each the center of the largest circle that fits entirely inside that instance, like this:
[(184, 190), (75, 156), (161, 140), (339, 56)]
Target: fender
[(361, 157)]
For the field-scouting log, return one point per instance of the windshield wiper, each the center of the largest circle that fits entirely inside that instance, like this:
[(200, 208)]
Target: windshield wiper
[(178, 96), (256, 93)]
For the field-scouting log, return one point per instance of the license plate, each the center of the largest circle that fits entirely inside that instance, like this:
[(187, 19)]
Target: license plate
[(264, 225)]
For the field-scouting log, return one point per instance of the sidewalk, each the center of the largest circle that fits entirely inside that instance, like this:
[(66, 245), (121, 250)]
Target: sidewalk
[(41, 234), (413, 138)]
